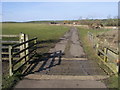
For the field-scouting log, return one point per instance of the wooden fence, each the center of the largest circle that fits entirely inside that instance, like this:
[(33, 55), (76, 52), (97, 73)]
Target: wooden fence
[(27, 52), (109, 56), (11, 40), (17, 50)]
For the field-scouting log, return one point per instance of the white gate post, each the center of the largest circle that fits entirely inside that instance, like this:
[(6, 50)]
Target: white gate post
[(22, 39), (26, 46), (10, 61)]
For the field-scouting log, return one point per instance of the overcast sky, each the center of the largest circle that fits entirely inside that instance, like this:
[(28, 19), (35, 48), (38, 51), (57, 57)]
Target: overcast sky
[(32, 11)]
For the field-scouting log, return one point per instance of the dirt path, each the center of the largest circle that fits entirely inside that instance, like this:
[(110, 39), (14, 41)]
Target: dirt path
[(70, 45), (73, 70), (76, 49)]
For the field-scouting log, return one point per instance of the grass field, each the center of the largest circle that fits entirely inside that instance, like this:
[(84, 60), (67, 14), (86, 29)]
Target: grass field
[(111, 82), (42, 31)]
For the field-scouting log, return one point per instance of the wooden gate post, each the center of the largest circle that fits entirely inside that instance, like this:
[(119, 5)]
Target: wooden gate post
[(22, 39), (119, 67), (35, 42), (10, 61), (26, 46), (105, 51)]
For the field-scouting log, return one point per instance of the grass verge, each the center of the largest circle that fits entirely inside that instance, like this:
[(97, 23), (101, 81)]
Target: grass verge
[(9, 82), (112, 81)]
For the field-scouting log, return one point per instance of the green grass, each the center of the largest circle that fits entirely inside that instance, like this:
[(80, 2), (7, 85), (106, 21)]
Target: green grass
[(50, 34), (42, 31), (111, 82), (9, 82)]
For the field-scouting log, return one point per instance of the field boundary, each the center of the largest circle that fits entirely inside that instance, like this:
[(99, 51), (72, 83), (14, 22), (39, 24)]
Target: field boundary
[(17, 52), (108, 55), (9, 41), (25, 54)]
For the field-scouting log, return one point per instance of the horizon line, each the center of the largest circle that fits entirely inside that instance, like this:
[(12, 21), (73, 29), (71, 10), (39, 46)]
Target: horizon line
[(55, 20)]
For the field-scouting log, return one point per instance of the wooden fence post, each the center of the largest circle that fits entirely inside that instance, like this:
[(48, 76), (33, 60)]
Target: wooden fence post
[(22, 39), (119, 67), (26, 46), (10, 61), (92, 38), (97, 46), (105, 51), (95, 41), (119, 58), (60, 56), (35, 42), (89, 36)]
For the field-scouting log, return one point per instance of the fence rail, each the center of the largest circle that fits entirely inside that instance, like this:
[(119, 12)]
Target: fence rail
[(109, 55), (11, 40), (9, 35)]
